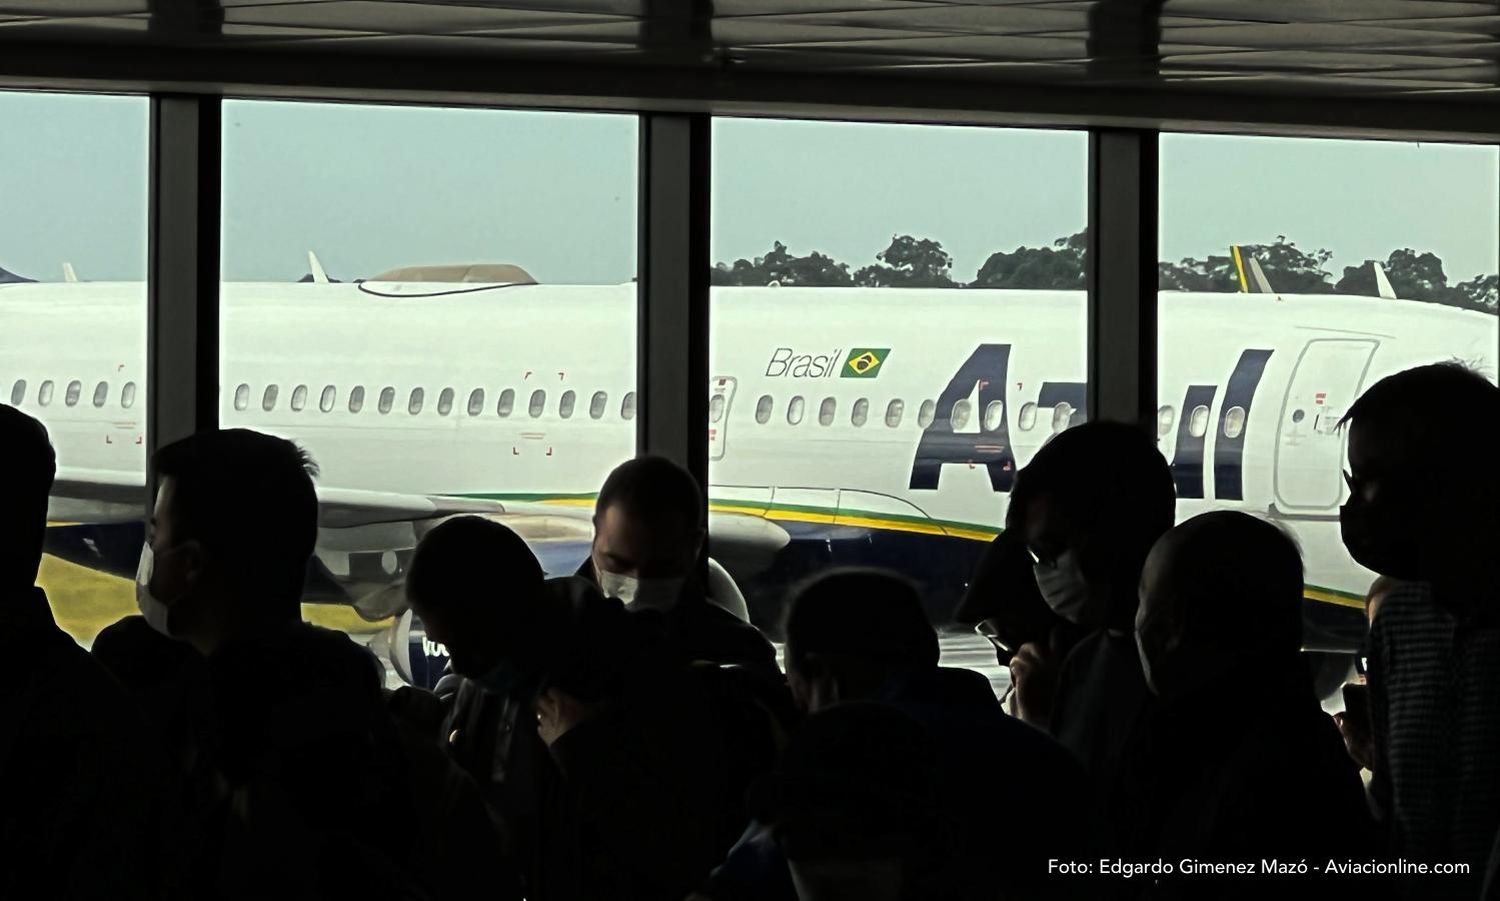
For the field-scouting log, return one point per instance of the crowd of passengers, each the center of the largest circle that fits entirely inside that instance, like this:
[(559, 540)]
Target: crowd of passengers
[(617, 734)]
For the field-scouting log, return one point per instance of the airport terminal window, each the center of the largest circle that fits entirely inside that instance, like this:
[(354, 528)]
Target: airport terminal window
[(1277, 311), (1026, 419), (598, 405), (507, 403), (73, 187), (795, 410), (893, 413), (926, 413), (268, 399), (299, 398), (538, 403), (414, 402), (445, 402), (242, 397), (330, 396), (387, 400), (567, 403), (763, 409), (127, 395), (356, 398), (627, 407), (861, 412), (476, 401)]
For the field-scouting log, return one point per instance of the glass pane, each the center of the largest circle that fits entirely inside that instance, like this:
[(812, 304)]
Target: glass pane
[(299, 398), (357, 399), (486, 255), (326, 401), (928, 270), (73, 215), (598, 405), (268, 399), (1362, 259), (764, 408), (242, 397), (627, 407)]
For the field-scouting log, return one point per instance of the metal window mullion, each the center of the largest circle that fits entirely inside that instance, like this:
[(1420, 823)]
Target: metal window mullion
[(182, 332), (672, 336), (1122, 275)]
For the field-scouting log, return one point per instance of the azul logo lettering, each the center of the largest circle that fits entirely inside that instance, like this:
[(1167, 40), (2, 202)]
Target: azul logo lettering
[(786, 362), (433, 648)]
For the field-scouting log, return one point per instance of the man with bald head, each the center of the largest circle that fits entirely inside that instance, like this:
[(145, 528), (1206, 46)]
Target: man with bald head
[(1239, 762)]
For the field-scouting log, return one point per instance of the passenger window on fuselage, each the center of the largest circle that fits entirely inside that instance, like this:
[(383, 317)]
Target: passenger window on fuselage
[(127, 395), (18, 393), (44, 393), (962, 410), (795, 410), (75, 390), (299, 398), (268, 399), (598, 405), (1026, 419), (507, 403), (716, 405), (566, 404), (387, 400), (242, 397), (1166, 417), (414, 403), (764, 408), (1198, 422), (627, 407), (861, 412), (101, 393), (330, 396), (827, 411), (356, 398), (994, 415), (1234, 422), (445, 402), (926, 413), (476, 401), (538, 403), (1061, 415), (894, 411)]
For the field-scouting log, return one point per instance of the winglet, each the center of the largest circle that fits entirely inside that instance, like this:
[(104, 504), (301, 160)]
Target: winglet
[(68, 274), (1382, 283), (316, 268), (1247, 269)]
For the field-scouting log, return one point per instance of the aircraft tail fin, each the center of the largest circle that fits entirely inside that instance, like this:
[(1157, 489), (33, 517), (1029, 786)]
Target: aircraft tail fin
[(1382, 282), (1251, 276), (69, 275), (316, 268)]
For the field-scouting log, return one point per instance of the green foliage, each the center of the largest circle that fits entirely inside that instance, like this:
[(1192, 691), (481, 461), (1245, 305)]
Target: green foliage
[(1061, 267), (909, 263)]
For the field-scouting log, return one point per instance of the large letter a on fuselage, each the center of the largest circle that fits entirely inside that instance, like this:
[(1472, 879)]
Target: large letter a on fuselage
[(940, 445)]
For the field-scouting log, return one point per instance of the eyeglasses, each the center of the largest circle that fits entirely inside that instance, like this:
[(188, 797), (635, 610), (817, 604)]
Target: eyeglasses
[(991, 631)]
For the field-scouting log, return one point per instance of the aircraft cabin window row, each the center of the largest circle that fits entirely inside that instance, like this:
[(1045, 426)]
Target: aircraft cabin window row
[(505, 405), (47, 390), (960, 415)]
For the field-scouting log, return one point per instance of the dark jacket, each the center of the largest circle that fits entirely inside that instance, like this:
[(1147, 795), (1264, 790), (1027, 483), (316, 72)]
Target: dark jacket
[(80, 805), (1248, 769), (638, 802), (699, 629)]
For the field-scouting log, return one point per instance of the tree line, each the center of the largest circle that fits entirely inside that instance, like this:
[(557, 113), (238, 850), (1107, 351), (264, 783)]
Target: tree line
[(911, 262)]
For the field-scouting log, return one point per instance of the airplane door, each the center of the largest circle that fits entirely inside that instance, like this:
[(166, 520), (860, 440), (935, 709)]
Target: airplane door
[(1309, 443), (720, 397)]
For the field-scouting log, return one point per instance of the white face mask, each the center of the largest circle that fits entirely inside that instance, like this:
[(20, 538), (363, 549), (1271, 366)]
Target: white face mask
[(152, 609), (640, 594), (845, 880), (1066, 591)]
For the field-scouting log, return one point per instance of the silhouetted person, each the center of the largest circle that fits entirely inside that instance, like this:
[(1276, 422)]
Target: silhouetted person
[(863, 635), (1005, 605), (1424, 508), (854, 807), (1239, 761), (649, 531), (604, 760), (79, 805), (1090, 505), (1354, 720), (298, 769)]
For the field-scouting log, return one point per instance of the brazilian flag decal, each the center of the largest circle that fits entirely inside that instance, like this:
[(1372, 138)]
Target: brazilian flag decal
[(864, 362)]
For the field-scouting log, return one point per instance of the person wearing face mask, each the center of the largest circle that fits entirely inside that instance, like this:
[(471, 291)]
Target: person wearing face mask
[(1237, 761), (80, 807), (648, 543), (1090, 504), (1424, 508)]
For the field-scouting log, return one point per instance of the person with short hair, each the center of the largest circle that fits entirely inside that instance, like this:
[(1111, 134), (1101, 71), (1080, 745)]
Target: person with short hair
[(80, 809), (1424, 509), (1239, 761), (649, 533)]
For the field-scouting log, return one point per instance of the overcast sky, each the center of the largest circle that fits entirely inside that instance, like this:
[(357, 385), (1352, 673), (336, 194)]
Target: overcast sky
[(373, 188)]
